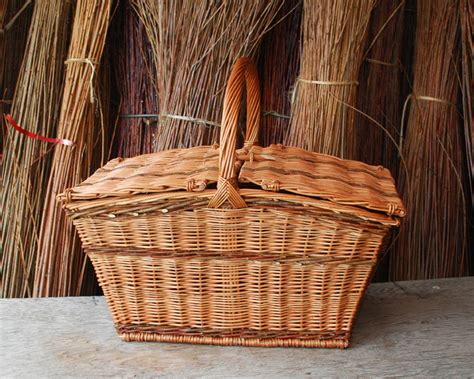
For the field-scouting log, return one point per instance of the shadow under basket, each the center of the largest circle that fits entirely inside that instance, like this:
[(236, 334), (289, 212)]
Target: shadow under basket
[(269, 246)]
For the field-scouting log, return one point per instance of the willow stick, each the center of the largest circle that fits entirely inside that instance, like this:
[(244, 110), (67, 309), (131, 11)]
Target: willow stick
[(433, 238), (137, 85), (466, 10), (27, 161), (279, 61), (333, 40), (59, 250), (15, 18), (195, 44), (379, 93)]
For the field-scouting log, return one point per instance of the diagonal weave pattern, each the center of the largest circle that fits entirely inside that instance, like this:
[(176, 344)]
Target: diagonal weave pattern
[(227, 191)]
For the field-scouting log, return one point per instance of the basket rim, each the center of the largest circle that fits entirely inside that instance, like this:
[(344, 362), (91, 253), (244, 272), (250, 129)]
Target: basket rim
[(106, 205)]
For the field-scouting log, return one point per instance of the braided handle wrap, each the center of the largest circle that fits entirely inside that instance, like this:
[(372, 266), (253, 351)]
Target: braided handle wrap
[(227, 186)]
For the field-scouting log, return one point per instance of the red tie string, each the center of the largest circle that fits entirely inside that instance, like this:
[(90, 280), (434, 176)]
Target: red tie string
[(36, 136)]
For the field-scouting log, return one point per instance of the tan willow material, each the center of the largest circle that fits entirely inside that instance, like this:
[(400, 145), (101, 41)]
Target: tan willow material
[(257, 247)]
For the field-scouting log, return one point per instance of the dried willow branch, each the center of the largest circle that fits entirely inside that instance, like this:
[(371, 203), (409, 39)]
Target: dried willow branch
[(60, 260), (279, 59), (334, 33), (433, 238), (381, 85), (15, 18), (466, 10), (194, 45), (379, 94), (27, 161), (136, 82)]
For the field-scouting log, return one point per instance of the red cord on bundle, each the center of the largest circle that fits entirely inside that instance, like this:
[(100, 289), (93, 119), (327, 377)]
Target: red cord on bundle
[(36, 136)]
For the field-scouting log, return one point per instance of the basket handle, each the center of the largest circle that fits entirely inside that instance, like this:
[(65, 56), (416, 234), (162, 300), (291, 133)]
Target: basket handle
[(227, 186)]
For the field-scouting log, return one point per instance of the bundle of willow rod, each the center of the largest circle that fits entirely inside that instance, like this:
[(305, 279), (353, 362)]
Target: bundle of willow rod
[(333, 40), (467, 41), (379, 88), (194, 45), (100, 144), (136, 82), (466, 11), (60, 260), (15, 17), (433, 238), (279, 58), (26, 160)]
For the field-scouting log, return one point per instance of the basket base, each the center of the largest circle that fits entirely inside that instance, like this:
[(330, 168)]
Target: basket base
[(341, 340)]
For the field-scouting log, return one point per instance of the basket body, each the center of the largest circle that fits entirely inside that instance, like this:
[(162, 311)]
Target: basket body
[(254, 276), (261, 246)]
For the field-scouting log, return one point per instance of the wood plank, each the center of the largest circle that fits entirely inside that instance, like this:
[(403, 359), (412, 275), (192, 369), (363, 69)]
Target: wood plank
[(421, 328)]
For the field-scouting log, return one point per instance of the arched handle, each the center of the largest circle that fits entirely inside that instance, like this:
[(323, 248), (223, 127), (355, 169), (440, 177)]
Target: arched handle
[(227, 188)]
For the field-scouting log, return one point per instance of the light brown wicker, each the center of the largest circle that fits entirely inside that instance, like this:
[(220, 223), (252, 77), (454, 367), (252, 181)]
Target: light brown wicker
[(258, 247)]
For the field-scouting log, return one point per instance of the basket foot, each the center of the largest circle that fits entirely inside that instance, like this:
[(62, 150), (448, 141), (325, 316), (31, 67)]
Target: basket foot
[(340, 341)]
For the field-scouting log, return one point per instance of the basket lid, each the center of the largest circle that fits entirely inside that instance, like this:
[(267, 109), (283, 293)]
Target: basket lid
[(341, 181), (179, 169), (274, 168)]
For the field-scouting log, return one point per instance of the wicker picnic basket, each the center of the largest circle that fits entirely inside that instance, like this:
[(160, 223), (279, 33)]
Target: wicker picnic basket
[(262, 246)]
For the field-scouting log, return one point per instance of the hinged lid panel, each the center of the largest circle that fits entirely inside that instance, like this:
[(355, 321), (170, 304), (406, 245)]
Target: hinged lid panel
[(180, 169), (342, 181)]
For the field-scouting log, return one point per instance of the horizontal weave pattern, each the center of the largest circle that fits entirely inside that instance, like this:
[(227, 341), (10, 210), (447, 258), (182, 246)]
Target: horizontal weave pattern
[(172, 201), (257, 231), (274, 276), (232, 298)]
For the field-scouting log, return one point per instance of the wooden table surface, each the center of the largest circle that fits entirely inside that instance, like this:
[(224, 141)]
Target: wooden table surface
[(423, 328)]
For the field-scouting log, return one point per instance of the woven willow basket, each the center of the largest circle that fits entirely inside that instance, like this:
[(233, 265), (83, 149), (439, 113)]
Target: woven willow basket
[(262, 246)]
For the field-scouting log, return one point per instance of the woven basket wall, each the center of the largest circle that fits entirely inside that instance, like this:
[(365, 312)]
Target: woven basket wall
[(259, 247)]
